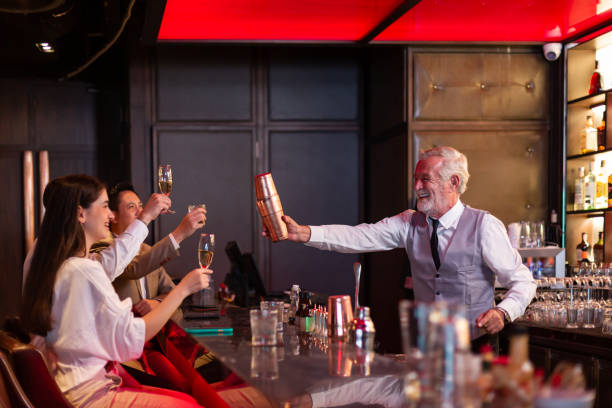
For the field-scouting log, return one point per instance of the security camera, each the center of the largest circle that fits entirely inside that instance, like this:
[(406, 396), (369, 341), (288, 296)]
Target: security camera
[(552, 51)]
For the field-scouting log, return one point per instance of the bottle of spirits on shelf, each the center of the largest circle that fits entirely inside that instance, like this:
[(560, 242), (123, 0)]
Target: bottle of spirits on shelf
[(601, 133), (553, 234), (588, 137), (595, 86), (601, 187), (610, 190), (598, 249), (583, 250), (589, 189), (579, 190)]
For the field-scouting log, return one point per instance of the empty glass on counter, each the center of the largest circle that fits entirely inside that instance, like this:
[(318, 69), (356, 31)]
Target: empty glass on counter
[(274, 305), (263, 327)]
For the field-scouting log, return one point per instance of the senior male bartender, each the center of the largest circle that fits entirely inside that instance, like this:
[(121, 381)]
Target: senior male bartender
[(455, 251)]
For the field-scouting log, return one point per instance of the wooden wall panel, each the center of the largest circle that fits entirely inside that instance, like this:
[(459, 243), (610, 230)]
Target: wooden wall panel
[(313, 85), (12, 247), (481, 86), (64, 115), (214, 168), (317, 178), (203, 84), (14, 111), (62, 163), (508, 170)]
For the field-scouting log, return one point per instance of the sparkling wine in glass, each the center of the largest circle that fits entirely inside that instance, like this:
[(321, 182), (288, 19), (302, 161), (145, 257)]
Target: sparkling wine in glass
[(206, 252), (164, 180), (206, 249)]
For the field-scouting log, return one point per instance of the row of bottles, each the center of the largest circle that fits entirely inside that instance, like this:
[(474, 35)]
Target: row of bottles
[(587, 253), (593, 138), (594, 189), (302, 312)]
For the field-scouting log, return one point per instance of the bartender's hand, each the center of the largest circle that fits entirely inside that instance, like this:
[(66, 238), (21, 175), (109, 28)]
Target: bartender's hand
[(492, 321), (297, 232)]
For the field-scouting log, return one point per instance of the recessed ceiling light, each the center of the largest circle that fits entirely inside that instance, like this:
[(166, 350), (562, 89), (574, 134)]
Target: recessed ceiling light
[(45, 47)]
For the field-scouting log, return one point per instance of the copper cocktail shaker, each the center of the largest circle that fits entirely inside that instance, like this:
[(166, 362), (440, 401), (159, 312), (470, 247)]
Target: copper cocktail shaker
[(270, 208), (339, 317)]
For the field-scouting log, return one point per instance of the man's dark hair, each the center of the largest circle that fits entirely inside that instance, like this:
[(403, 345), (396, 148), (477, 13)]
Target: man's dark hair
[(113, 194)]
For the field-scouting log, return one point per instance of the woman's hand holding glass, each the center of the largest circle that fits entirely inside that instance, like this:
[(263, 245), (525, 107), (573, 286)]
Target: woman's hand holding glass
[(196, 280)]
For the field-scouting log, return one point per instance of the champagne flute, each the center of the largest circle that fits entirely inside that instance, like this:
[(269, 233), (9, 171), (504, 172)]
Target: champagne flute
[(164, 179), (206, 251)]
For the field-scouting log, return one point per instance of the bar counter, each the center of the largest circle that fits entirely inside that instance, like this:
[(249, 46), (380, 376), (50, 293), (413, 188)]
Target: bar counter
[(304, 369), (593, 350)]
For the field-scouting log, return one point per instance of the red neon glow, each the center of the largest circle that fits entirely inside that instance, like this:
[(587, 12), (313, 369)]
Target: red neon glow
[(269, 20), (497, 20), (350, 20)]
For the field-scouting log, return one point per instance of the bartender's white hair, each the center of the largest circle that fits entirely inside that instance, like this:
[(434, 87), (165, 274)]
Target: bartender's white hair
[(455, 162)]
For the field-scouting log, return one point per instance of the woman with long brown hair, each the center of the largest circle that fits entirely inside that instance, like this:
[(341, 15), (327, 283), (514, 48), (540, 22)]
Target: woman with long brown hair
[(70, 301)]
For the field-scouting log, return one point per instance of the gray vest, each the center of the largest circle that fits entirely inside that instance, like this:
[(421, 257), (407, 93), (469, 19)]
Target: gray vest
[(463, 276)]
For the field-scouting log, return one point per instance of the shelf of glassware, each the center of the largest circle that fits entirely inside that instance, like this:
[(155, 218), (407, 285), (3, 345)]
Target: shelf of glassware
[(545, 253)]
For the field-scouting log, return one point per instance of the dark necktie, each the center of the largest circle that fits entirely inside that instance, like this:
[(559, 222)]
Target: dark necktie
[(434, 242)]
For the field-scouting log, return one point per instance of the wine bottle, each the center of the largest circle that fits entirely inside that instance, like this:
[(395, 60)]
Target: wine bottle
[(595, 83), (601, 133), (582, 249), (598, 249)]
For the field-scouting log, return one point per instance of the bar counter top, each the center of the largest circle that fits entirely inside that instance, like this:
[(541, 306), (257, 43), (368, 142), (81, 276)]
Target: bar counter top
[(304, 368)]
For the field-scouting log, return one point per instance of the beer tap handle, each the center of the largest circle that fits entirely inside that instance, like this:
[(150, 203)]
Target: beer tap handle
[(357, 272)]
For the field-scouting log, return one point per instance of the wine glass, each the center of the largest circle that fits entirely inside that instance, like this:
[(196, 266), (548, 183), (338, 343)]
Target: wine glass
[(206, 251), (164, 180)]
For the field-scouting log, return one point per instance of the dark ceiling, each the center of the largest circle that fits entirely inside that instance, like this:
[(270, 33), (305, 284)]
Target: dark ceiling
[(76, 29)]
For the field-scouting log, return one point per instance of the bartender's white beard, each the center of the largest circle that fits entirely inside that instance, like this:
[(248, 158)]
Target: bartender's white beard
[(433, 206)]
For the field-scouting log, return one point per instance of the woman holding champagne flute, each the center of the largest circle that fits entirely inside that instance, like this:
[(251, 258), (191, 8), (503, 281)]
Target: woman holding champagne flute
[(72, 304)]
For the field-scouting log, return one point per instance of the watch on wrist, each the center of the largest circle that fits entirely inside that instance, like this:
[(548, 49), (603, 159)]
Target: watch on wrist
[(505, 314)]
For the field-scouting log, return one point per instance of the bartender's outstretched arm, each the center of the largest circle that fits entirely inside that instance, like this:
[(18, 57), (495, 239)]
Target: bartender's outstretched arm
[(297, 232)]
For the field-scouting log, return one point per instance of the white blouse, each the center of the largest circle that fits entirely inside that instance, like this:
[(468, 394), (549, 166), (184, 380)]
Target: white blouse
[(90, 325)]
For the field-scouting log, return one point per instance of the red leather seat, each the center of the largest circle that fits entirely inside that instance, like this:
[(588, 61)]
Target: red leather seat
[(31, 370), (11, 393)]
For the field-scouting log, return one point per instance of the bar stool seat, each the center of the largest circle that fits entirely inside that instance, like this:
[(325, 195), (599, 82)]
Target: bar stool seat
[(30, 368)]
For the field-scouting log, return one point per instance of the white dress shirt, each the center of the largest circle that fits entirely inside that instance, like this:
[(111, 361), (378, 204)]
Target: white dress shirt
[(391, 233)]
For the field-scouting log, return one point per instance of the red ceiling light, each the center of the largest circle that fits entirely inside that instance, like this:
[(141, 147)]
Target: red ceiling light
[(528, 21), (272, 20), (496, 20)]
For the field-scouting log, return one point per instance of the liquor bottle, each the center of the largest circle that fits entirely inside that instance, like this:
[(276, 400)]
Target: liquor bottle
[(598, 249), (294, 302), (610, 190), (579, 190), (601, 133), (589, 189), (553, 233), (595, 84), (571, 190), (601, 187), (588, 137), (582, 249), (520, 368)]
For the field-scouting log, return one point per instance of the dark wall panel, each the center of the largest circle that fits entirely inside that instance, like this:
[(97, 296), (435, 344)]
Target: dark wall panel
[(14, 111), (12, 237), (308, 86), (196, 83), (317, 177), (63, 115), (62, 163), (214, 168)]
